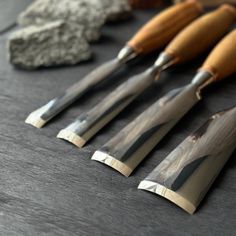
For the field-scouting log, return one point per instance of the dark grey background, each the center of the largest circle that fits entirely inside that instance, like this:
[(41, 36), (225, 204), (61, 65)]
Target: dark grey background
[(49, 187)]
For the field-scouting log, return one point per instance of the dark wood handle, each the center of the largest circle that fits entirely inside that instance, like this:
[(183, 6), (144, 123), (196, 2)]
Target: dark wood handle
[(185, 176), (202, 34), (161, 29), (221, 63)]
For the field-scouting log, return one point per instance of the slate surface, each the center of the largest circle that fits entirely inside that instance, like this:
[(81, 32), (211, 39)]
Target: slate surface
[(49, 187), (9, 10)]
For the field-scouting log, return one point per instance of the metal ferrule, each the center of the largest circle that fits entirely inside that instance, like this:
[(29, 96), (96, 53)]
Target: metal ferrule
[(126, 54), (164, 61), (202, 78)]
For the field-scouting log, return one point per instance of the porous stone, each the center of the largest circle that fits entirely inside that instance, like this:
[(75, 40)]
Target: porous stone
[(55, 43), (83, 12), (91, 14)]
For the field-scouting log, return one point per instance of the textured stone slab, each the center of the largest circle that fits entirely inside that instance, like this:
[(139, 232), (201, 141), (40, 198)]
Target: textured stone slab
[(55, 43), (91, 14)]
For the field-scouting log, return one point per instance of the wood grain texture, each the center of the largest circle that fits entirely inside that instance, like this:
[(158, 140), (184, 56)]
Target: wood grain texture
[(50, 188), (185, 176), (161, 29), (218, 22), (222, 60), (210, 3)]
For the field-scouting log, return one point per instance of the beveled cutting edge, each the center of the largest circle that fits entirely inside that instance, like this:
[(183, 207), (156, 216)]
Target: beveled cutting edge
[(89, 123), (132, 144), (187, 173), (136, 140), (42, 115), (152, 36)]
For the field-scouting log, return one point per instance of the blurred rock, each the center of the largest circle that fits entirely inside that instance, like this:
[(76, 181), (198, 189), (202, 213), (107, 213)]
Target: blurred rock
[(55, 43), (81, 12), (91, 14), (116, 9)]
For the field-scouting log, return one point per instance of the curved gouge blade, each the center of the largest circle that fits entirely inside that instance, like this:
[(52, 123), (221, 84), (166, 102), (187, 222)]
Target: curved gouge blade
[(150, 37), (185, 176), (135, 141), (89, 123)]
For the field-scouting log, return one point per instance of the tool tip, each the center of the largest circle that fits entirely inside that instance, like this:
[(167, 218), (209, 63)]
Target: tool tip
[(168, 194), (112, 162), (71, 137), (34, 120)]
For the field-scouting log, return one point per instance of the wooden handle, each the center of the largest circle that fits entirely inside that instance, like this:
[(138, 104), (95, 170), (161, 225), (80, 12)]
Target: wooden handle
[(161, 29), (209, 3), (221, 63), (202, 34)]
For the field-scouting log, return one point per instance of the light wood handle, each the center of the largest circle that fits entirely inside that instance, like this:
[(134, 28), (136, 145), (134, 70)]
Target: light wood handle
[(221, 63), (161, 29), (202, 34)]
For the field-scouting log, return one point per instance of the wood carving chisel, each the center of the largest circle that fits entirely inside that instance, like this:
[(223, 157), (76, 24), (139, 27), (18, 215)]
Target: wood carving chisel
[(187, 173), (131, 145), (187, 45), (154, 35)]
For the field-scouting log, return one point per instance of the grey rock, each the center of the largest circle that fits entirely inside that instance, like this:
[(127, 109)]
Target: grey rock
[(91, 14), (115, 9), (83, 12), (55, 43)]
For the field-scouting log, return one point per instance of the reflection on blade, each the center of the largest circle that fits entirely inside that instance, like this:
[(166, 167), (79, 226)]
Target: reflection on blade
[(42, 115), (89, 123), (135, 141), (187, 173)]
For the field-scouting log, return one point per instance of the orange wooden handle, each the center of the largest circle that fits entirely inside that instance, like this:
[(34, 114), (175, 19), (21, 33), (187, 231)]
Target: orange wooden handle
[(221, 62), (161, 29), (202, 34)]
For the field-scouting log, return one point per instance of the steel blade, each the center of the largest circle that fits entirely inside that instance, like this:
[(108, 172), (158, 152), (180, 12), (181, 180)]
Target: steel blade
[(185, 176), (42, 115), (88, 124), (130, 146)]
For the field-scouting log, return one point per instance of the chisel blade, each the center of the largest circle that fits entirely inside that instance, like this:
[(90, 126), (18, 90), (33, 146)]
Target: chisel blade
[(187, 173), (148, 39), (129, 147), (42, 115), (89, 123)]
